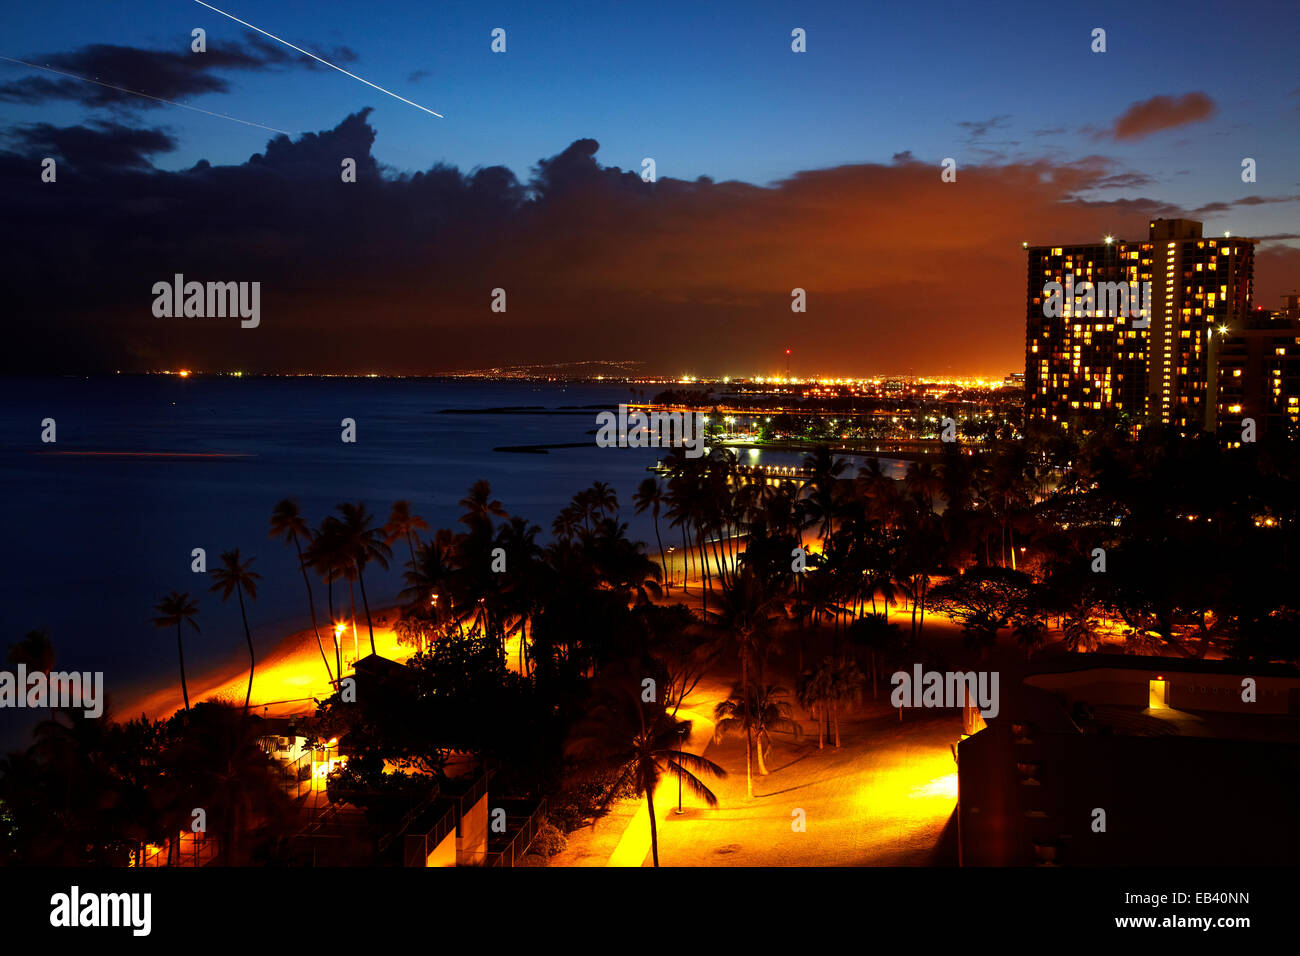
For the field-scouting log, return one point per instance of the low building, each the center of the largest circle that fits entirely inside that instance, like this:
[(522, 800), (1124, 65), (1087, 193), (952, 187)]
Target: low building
[(1115, 760)]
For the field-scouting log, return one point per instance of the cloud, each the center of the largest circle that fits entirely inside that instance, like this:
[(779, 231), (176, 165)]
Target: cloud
[(395, 271), (1161, 113), (101, 145), (980, 128), (1243, 201), (163, 73)]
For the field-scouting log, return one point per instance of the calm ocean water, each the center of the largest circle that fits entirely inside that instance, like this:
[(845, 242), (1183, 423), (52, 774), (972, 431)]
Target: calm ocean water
[(98, 540)]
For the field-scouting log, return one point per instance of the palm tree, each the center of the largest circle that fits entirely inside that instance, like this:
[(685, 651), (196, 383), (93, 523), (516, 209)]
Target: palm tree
[(1079, 632), (812, 695), (823, 487), (217, 763), (175, 609), (744, 618), (882, 637), (327, 556), (480, 507), (1030, 633), (641, 742), (843, 681), (364, 543), (234, 577), (650, 495), (763, 712), (289, 524), (36, 652), (923, 482), (403, 524)]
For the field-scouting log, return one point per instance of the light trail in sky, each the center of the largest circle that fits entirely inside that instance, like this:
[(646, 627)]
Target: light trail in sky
[(318, 59), (148, 96)]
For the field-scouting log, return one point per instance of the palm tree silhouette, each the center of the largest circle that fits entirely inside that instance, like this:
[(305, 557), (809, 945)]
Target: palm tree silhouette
[(758, 715), (363, 543), (289, 524), (744, 617), (650, 495), (175, 609), (403, 524), (640, 741), (36, 653), (235, 578), (327, 556)]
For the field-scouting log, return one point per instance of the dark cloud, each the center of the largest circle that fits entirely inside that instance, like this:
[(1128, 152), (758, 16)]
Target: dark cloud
[(98, 146), (395, 272), (1124, 181), (1243, 201), (1160, 113), (168, 74), (981, 128)]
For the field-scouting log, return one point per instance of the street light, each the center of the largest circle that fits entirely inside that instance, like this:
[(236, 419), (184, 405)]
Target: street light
[(681, 732)]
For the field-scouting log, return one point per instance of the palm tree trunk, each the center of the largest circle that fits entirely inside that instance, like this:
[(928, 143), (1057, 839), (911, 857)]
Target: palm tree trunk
[(311, 603), (361, 576), (663, 562), (749, 738), (686, 560), (338, 651), (654, 830), (252, 662), (352, 604), (180, 651), (835, 714)]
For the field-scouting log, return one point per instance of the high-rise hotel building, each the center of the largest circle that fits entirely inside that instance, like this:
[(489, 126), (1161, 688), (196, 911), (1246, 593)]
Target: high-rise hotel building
[(1088, 362)]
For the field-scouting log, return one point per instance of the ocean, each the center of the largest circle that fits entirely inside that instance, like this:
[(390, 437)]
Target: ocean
[(98, 539)]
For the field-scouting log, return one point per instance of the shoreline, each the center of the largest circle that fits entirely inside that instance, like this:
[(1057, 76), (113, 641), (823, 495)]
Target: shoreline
[(291, 674)]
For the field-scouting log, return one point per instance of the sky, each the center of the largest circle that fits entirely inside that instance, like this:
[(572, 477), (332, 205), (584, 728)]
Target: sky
[(821, 170)]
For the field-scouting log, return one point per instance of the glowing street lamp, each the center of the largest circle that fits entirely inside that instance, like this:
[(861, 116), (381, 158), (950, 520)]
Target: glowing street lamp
[(681, 732)]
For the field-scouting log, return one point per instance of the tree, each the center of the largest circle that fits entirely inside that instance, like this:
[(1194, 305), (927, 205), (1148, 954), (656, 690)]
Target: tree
[(234, 577), (1030, 633), (175, 609), (327, 554), (836, 681), (649, 495), (640, 741), (289, 524), (36, 653), (743, 620), (403, 524), (765, 711), (216, 763), (363, 543), (812, 695), (882, 637)]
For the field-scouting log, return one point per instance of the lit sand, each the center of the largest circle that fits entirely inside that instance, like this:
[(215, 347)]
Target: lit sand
[(283, 683)]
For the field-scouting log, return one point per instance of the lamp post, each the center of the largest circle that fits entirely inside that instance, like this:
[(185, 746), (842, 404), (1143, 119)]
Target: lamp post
[(671, 570), (681, 732)]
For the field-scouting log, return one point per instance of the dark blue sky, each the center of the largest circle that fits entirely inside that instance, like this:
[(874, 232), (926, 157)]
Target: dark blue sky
[(714, 90)]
